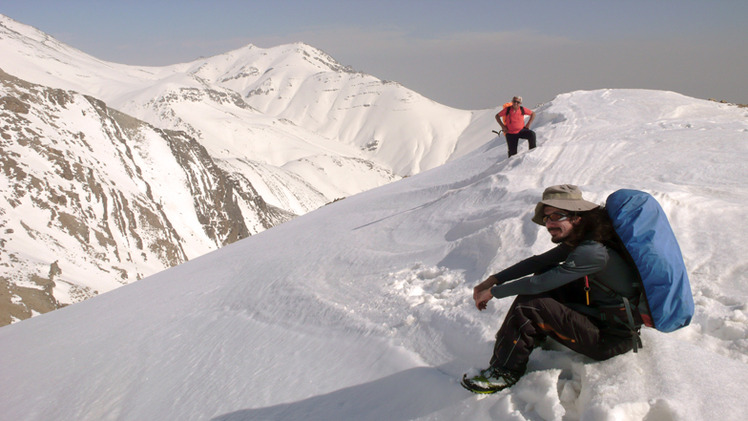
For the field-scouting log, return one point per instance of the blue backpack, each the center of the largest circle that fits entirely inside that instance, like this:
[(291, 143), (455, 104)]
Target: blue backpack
[(666, 302)]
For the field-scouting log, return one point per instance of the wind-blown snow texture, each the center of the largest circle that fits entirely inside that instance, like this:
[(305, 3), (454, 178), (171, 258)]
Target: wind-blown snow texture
[(362, 309)]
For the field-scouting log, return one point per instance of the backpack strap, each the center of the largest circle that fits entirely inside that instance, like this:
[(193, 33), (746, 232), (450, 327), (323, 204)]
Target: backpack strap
[(615, 315), (635, 330)]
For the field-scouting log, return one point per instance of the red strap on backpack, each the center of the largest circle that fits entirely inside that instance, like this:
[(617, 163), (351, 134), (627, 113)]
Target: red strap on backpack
[(587, 288)]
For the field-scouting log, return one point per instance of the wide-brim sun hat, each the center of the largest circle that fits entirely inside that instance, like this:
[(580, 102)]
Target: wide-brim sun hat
[(566, 197)]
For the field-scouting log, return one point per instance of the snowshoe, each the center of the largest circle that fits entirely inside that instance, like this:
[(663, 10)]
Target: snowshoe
[(490, 380)]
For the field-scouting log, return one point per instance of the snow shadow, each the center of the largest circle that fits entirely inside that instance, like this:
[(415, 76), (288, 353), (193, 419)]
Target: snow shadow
[(410, 394)]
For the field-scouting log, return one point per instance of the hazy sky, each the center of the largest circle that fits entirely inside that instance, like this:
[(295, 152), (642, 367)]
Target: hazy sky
[(468, 54)]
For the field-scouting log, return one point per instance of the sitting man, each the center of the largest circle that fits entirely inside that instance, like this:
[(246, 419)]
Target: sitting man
[(574, 293)]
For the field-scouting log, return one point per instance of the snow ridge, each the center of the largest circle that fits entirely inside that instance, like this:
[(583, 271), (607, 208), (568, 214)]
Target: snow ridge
[(361, 309)]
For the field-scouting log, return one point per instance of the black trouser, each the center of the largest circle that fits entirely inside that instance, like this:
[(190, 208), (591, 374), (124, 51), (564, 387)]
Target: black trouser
[(532, 318), (512, 140)]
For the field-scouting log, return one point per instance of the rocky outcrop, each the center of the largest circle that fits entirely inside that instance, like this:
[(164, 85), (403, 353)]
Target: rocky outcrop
[(92, 199)]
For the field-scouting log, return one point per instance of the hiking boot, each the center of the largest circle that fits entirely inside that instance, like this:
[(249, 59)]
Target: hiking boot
[(490, 380)]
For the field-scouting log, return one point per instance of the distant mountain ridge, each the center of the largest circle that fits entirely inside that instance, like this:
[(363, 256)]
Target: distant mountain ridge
[(115, 172)]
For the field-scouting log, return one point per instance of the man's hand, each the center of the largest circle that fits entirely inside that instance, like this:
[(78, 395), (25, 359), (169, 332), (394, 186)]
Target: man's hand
[(482, 299), (482, 293)]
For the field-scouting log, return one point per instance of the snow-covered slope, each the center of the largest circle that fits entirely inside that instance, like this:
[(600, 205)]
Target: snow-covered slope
[(362, 309)]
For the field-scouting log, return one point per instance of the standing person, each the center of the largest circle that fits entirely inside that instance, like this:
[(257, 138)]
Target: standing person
[(575, 293), (514, 127)]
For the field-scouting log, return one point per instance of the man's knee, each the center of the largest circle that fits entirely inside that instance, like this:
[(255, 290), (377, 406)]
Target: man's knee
[(531, 139), (535, 304), (538, 299)]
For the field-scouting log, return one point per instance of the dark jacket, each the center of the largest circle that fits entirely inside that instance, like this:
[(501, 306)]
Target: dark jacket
[(563, 265)]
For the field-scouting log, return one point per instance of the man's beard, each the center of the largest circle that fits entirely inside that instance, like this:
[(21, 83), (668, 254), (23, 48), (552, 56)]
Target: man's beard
[(556, 239)]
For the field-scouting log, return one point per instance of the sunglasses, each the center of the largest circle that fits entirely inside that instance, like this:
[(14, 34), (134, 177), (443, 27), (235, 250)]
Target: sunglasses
[(516, 102), (555, 217)]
